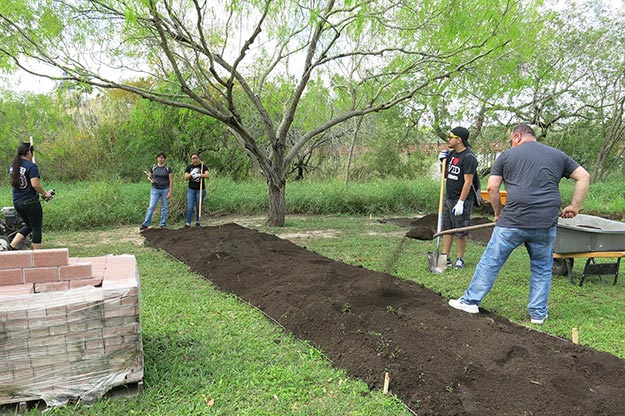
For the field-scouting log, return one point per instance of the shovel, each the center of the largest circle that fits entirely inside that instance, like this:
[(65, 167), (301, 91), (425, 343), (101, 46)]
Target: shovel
[(437, 263), (462, 229), (199, 208)]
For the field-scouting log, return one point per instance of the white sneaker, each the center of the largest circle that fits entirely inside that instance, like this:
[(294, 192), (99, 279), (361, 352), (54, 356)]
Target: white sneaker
[(457, 304), (539, 321)]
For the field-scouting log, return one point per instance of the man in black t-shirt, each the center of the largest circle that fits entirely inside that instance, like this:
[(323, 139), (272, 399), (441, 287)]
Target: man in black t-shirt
[(461, 168)]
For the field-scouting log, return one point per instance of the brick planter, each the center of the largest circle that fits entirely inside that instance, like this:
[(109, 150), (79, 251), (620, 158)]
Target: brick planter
[(69, 327)]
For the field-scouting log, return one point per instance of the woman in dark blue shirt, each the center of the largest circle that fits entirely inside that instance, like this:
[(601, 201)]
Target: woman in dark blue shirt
[(26, 190)]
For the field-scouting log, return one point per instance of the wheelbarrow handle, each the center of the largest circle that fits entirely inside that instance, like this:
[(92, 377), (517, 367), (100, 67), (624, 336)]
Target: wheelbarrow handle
[(462, 229)]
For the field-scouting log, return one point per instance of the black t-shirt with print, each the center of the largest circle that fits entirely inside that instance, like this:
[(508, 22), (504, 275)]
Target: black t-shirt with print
[(458, 165), (195, 183)]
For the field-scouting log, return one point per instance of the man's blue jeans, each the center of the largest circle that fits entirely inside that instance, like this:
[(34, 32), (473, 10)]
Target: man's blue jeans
[(539, 245), (193, 202), (155, 196)]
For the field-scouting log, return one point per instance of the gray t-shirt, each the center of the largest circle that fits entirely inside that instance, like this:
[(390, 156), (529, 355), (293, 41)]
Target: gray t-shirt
[(160, 176), (532, 173)]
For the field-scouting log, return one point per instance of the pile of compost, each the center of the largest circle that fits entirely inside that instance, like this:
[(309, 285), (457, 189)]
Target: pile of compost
[(441, 361)]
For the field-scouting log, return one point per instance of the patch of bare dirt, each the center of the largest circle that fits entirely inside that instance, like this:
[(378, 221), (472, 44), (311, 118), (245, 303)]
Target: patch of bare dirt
[(313, 233), (95, 238), (442, 361), (118, 235)]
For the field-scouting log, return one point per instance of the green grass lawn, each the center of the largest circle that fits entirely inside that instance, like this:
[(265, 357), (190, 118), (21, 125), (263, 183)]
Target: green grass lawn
[(209, 353)]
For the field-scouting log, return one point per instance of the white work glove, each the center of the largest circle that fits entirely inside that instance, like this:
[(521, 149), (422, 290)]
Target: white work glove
[(195, 174), (459, 208), (442, 155)]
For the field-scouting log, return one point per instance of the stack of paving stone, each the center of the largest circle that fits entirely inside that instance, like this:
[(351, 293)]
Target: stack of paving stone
[(69, 327)]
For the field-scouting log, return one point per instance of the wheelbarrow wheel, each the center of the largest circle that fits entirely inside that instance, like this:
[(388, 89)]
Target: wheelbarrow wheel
[(560, 268)]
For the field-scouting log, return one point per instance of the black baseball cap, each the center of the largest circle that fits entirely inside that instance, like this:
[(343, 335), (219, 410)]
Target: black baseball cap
[(462, 133)]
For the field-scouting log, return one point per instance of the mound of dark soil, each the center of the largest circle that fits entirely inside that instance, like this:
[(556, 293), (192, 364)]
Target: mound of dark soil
[(441, 361)]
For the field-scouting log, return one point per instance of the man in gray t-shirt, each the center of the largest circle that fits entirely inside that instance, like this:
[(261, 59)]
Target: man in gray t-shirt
[(162, 178), (531, 172)]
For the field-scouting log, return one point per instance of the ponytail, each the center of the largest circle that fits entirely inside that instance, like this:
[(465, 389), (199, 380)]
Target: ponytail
[(22, 150)]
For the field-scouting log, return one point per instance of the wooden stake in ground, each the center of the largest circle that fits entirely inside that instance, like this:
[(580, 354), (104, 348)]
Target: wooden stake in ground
[(575, 336), (199, 208), (387, 381)]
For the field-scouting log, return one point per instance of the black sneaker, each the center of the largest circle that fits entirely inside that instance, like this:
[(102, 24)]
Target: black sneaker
[(143, 227), (197, 224), (459, 263)]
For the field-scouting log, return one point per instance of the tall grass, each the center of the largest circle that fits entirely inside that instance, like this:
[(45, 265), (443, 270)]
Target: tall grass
[(85, 205)]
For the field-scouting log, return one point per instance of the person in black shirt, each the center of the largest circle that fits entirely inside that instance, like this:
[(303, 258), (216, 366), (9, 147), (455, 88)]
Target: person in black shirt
[(26, 190), (194, 173), (460, 169)]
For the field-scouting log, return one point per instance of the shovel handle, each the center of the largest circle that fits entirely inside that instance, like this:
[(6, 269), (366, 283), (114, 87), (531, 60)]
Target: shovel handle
[(462, 229), (441, 196), (199, 208)]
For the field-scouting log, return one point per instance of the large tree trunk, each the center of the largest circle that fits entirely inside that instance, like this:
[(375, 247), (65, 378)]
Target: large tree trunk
[(357, 124), (611, 138), (277, 203)]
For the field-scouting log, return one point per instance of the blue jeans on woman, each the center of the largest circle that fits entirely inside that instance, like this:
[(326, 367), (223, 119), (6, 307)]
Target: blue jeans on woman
[(539, 245), (193, 202), (155, 196)]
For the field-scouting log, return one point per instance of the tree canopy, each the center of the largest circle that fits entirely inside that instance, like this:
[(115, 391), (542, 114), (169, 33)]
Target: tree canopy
[(266, 69)]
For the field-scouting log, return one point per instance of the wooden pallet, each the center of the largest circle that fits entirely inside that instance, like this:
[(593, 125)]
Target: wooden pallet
[(126, 390), (23, 406)]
